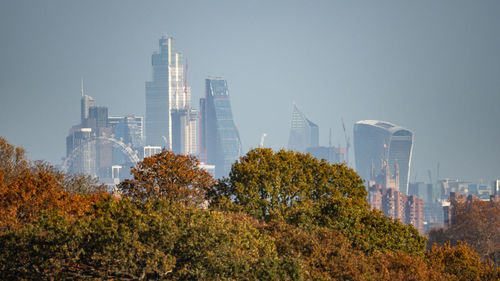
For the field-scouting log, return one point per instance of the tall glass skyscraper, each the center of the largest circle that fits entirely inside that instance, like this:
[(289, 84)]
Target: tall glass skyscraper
[(220, 143), (167, 93), (303, 132), (379, 142)]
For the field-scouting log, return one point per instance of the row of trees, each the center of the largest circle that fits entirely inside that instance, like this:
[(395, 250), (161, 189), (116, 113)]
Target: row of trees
[(477, 223), (278, 216)]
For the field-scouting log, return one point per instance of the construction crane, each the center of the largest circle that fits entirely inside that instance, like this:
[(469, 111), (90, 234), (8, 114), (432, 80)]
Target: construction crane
[(262, 139), (347, 142)]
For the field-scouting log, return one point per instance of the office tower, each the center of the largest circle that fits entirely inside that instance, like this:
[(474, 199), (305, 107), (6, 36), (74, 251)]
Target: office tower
[(380, 142), (495, 187), (166, 93), (85, 103), (80, 151), (128, 129), (303, 132), (220, 143), (184, 131)]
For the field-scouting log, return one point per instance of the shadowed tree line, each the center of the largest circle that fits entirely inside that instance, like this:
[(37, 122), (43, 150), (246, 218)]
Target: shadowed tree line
[(278, 216)]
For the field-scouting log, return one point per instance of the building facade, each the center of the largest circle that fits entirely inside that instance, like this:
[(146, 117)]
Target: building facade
[(167, 97), (407, 209), (303, 132), (220, 143), (378, 143)]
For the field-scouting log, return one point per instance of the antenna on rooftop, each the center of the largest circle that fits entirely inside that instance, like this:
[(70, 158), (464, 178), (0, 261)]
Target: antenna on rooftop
[(330, 138), (262, 140), (82, 88)]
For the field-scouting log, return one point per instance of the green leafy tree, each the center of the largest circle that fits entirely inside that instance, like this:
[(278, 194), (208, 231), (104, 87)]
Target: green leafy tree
[(137, 240), (302, 190)]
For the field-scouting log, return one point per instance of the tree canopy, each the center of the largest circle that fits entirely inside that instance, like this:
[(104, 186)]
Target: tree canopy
[(168, 175), (279, 216), (301, 190)]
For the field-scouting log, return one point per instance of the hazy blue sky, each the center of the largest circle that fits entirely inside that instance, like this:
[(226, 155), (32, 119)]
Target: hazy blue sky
[(431, 66)]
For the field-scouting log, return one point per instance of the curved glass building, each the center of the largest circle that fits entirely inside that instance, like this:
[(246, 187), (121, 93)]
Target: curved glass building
[(378, 142)]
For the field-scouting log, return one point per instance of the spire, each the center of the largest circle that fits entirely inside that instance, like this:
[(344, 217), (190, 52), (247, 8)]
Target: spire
[(82, 88), (330, 138)]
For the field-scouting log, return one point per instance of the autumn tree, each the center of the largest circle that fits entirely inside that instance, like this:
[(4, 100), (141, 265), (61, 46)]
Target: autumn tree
[(175, 177), (29, 188), (476, 222), (460, 262), (12, 160)]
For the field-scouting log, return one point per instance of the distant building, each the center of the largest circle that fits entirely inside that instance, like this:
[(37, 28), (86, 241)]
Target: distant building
[(220, 143), (184, 131), (495, 187), (303, 132), (149, 150), (379, 142), (96, 146), (331, 154), (128, 129), (432, 202), (407, 209), (167, 97)]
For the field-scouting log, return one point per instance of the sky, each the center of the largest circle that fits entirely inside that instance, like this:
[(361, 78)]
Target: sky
[(430, 66)]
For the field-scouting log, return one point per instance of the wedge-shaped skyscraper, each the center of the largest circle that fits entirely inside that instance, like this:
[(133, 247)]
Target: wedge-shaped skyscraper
[(220, 140), (303, 133), (377, 143)]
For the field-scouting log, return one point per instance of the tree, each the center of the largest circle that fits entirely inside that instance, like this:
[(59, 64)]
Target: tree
[(460, 263), (143, 240), (302, 190), (475, 222), (270, 185), (177, 178), (12, 160), (27, 189)]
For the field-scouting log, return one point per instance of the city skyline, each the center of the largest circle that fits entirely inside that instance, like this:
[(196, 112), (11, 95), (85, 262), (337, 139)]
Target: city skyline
[(430, 67)]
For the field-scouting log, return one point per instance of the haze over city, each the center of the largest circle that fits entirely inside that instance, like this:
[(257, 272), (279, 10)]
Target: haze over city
[(432, 67)]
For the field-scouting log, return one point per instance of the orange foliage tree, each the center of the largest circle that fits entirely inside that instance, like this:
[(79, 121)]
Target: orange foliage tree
[(171, 176), (27, 189)]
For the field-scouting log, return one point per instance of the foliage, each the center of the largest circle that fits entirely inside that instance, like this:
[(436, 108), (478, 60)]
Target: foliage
[(174, 177), (325, 253), (12, 160), (460, 263), (155, 239), (29, 188), (475, 222), (271, 185), (285, 216), (302, 190), (82, 184)]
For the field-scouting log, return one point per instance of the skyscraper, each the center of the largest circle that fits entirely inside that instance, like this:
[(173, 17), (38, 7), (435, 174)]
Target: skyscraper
[(303, 132), (377, 143), (167, 93), (220, 143)]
